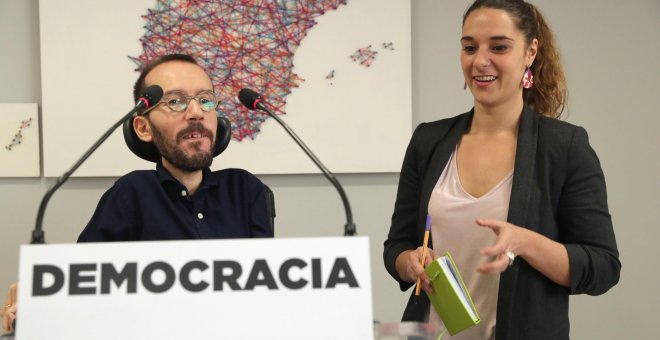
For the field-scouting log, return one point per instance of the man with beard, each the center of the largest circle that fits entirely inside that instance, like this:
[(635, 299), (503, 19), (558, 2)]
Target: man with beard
[(182, 198)]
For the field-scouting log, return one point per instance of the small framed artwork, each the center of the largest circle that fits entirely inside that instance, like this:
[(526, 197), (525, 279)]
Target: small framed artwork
[(19, 140)]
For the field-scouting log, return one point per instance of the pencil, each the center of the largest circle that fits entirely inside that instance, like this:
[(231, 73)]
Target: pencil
[(424, 247)]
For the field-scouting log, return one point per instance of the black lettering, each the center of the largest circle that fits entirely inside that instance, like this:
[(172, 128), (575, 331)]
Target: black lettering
[(75, 279), (219, 276), (341, 265), (38, 272), (284, 274), (316, 273), (148, 283), (184, 276), (128, 274), (260, 267)]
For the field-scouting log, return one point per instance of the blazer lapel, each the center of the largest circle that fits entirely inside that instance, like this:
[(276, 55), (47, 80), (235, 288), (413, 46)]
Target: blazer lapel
[(523, 173), (441, 152)]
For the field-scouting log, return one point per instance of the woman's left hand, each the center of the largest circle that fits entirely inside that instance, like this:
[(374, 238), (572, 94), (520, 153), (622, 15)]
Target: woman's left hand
[(506, 247), (543, 254)]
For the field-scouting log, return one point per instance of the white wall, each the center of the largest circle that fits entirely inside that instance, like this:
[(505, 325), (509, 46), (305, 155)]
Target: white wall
[(610, 49)]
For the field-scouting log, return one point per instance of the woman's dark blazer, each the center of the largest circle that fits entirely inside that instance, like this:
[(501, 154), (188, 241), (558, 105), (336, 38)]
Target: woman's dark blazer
[(558, 191)]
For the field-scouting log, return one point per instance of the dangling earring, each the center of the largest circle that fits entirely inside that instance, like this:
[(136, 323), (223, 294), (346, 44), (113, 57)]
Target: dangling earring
[(528, 78), (464, 85)]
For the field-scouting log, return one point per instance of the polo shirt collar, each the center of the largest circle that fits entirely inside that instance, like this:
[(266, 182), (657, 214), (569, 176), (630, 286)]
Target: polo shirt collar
[(165, 177)]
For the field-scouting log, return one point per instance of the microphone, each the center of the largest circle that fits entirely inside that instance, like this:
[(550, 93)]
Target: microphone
[(253, 101), (149, 98)]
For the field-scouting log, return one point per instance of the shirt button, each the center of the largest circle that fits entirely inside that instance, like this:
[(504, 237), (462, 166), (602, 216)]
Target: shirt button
[(200, 215), (184, 193)]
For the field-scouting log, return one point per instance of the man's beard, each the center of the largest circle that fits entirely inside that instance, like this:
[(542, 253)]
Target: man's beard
[(173, 153)]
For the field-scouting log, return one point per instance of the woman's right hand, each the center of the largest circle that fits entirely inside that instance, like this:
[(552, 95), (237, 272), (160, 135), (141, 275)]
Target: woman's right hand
[(9, 309), (409, 266)]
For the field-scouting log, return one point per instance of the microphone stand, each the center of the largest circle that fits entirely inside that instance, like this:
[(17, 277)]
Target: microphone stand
[(349, 227), (38, 233)]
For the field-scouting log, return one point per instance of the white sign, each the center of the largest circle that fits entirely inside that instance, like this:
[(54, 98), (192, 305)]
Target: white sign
[(305, 288)]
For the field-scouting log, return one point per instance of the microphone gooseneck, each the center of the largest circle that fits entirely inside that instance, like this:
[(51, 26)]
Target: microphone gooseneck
[(149, 98), (253, 101)]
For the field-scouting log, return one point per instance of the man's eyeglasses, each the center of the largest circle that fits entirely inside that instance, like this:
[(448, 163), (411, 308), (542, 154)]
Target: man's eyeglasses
[(178, 101)]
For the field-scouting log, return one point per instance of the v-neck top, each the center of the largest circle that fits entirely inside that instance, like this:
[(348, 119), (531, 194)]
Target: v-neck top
[(453, 228)]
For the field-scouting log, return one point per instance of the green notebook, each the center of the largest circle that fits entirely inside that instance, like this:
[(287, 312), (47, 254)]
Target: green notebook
[(450, 298)]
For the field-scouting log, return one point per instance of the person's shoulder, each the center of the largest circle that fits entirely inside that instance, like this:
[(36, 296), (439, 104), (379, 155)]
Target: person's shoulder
[(138, 175), (233, 175), (446, 122), (556, 123), (561, 138), (559, 131), (229, 172), (136, 178), (441, 126), (130, 187)]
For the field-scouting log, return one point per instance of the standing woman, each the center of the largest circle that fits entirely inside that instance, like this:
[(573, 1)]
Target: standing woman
[(506, 180)]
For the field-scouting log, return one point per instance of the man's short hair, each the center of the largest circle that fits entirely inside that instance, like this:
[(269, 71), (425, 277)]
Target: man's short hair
[(139, 87)]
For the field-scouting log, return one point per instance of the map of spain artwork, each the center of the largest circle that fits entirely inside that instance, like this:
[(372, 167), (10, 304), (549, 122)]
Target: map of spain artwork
[(337, 71), (241, 43)]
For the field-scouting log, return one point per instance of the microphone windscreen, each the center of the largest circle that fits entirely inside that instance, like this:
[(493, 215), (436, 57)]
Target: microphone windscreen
[(249, 98), (152, 95)]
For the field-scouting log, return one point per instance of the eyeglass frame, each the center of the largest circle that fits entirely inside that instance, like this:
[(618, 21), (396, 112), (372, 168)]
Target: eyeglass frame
[(188, 100)]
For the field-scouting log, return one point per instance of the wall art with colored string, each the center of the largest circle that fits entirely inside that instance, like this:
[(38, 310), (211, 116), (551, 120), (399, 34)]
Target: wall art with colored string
[(337, 71), (19, 140)]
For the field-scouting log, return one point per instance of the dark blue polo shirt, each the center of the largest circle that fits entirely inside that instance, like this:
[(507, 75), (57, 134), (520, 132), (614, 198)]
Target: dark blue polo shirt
[(153, 205)]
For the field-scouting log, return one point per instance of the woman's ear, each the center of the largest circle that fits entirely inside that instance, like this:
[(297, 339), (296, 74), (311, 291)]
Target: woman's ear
[(142, 129), (532, 50)]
